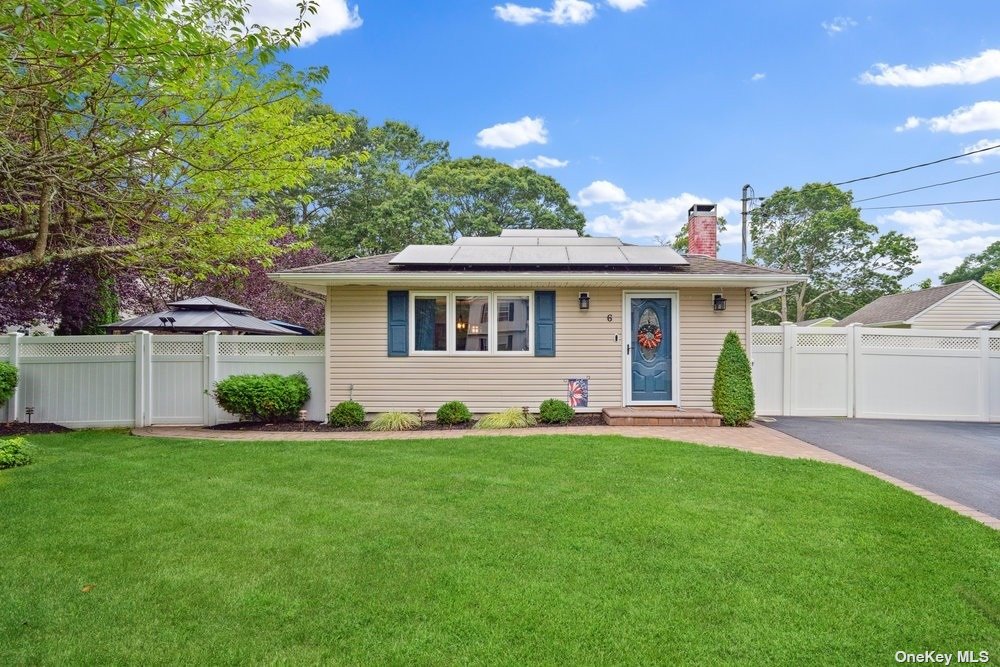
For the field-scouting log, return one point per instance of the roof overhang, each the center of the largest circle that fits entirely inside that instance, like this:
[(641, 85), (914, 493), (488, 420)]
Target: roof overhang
[(318, 283)]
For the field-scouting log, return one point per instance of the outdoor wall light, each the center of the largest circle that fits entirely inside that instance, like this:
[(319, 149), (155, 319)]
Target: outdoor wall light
[(718, 302), (584, 301)]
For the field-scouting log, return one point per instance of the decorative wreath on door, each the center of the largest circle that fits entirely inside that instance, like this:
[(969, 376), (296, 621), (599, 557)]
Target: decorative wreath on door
[(650, 336)]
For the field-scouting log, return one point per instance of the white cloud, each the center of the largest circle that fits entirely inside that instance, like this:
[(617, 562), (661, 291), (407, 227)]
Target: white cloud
[(563, 12), (943, 242), (838, 24), (518, 14), (980, 68), (759, 76), (978, 146), (979, 117), (656, 220), (627, 5), (541, 162), (331, 18), (511, 135), (601, 192)]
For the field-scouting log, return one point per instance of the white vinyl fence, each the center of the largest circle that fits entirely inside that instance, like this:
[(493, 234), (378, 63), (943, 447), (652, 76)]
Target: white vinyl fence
[(878, 373), (142, 379)]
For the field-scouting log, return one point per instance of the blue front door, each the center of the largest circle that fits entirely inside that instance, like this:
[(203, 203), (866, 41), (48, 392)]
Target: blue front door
[(650, 350)]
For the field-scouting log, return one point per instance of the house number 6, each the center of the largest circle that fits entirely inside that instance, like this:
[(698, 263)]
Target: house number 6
[(610, 318)]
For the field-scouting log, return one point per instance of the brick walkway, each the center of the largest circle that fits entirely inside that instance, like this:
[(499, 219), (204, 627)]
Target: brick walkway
[(757, 439)]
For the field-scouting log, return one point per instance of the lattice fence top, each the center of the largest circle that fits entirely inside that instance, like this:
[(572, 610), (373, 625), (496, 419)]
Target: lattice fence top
[(838, 339), (263, 348), (4, 351), (766, 338), (176, 346), (56, 348), (994, 344), (896, 342)]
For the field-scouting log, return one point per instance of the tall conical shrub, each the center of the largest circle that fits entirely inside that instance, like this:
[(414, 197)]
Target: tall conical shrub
[(732, 392)]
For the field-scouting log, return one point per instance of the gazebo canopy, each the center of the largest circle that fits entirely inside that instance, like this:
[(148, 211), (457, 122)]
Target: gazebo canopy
[(198, 315)]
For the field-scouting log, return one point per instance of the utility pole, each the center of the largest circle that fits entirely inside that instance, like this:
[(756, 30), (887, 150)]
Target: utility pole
[(748, 196)]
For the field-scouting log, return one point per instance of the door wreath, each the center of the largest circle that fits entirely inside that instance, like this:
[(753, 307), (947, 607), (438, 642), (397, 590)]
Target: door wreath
[(650, 336)]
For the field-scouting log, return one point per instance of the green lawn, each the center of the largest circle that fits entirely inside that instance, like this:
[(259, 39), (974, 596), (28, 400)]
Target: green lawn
[(549, 549)]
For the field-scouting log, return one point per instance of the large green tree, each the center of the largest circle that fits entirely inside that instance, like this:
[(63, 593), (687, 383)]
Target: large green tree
[(816, 231), (147, 132), (479, 196), (975, 266)]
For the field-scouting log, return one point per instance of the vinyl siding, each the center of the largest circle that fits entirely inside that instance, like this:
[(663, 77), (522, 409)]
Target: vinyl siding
[(585, 347), (969, 305)]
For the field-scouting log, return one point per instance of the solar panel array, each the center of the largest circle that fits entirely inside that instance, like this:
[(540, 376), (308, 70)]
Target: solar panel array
[(542, 247)]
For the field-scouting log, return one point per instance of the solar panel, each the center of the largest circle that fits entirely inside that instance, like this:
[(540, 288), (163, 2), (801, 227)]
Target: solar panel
[(644, 254), (539, 255), (539, 233), (482, 254)]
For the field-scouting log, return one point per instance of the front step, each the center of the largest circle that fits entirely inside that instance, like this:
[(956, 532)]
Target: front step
[(665, 416)]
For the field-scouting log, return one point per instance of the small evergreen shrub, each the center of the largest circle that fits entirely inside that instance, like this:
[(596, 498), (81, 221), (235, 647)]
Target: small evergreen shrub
[(554, 411), (14, 452), (8, 381), (268, 397), (509, 418), (732, 392), (347, 413), (454, 412), (394, 421)]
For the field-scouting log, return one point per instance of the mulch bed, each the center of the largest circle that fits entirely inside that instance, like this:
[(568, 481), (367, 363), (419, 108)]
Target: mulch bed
[(24, 428), (578, 420)]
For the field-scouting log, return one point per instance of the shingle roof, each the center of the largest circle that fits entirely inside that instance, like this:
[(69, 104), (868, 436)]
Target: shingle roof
[(900, 307), (697, 265)]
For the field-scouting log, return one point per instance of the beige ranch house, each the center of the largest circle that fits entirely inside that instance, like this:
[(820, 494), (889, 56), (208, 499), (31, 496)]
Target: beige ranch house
[(513, 320)]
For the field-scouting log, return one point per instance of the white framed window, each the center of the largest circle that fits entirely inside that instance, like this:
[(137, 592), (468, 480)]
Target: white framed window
[(471, 322)]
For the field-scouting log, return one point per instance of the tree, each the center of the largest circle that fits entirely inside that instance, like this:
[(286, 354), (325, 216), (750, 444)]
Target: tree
[(374, 204), (992, 280), (146, 132), (479, 196), (816, 231), (975, 266), (680, 243)]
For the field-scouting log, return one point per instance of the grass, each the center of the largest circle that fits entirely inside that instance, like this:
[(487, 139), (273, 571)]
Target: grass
[(551, 549)]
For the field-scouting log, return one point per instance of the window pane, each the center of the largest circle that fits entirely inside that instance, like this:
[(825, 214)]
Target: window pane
[(512, 333), (472, 323), (431, 326)]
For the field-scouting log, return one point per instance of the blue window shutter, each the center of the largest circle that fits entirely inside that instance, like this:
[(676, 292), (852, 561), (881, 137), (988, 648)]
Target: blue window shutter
[(399, 316), (545, 324)]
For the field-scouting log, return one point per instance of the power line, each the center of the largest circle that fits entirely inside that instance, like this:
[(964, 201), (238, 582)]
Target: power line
[(918, 166), (925, 187), (941, 203)]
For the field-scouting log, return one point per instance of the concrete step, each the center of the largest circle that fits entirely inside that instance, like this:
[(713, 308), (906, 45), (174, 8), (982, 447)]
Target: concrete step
[(664, 416)]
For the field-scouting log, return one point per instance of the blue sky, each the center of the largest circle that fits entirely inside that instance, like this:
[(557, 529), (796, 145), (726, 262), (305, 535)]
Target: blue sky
[(641, 108)]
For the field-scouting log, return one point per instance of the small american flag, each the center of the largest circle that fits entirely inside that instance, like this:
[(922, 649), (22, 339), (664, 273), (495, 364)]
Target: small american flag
[(578, 392)]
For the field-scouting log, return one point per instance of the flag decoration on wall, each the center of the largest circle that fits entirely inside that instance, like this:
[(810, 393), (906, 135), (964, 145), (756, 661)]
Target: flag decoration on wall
[(578, 392)]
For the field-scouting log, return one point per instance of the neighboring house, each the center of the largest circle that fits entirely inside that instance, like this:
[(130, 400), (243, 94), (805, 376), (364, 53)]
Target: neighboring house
[(201, 314), (510, 320), (818, 322), (955, 306)]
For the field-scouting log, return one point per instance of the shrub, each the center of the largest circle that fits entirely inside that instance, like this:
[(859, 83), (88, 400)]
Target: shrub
[(554, 411), (347, 413), (8, 381), (14, 452), (267, 397), (732, 392), (454, 412), (509, 418), (394, 421)]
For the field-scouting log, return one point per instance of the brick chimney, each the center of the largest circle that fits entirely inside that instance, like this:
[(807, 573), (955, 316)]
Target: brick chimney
[(702, 228)]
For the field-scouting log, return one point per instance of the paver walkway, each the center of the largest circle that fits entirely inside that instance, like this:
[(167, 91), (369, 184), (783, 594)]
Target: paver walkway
[(757, 439)]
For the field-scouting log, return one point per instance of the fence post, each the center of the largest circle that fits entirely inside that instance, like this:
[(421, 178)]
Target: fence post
[(14, 350), (787, 359), (141, 380), (210, 375), (984, 375), (853, 347)]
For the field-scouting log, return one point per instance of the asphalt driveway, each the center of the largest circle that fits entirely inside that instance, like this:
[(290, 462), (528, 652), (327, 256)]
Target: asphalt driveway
[(958, 460)]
